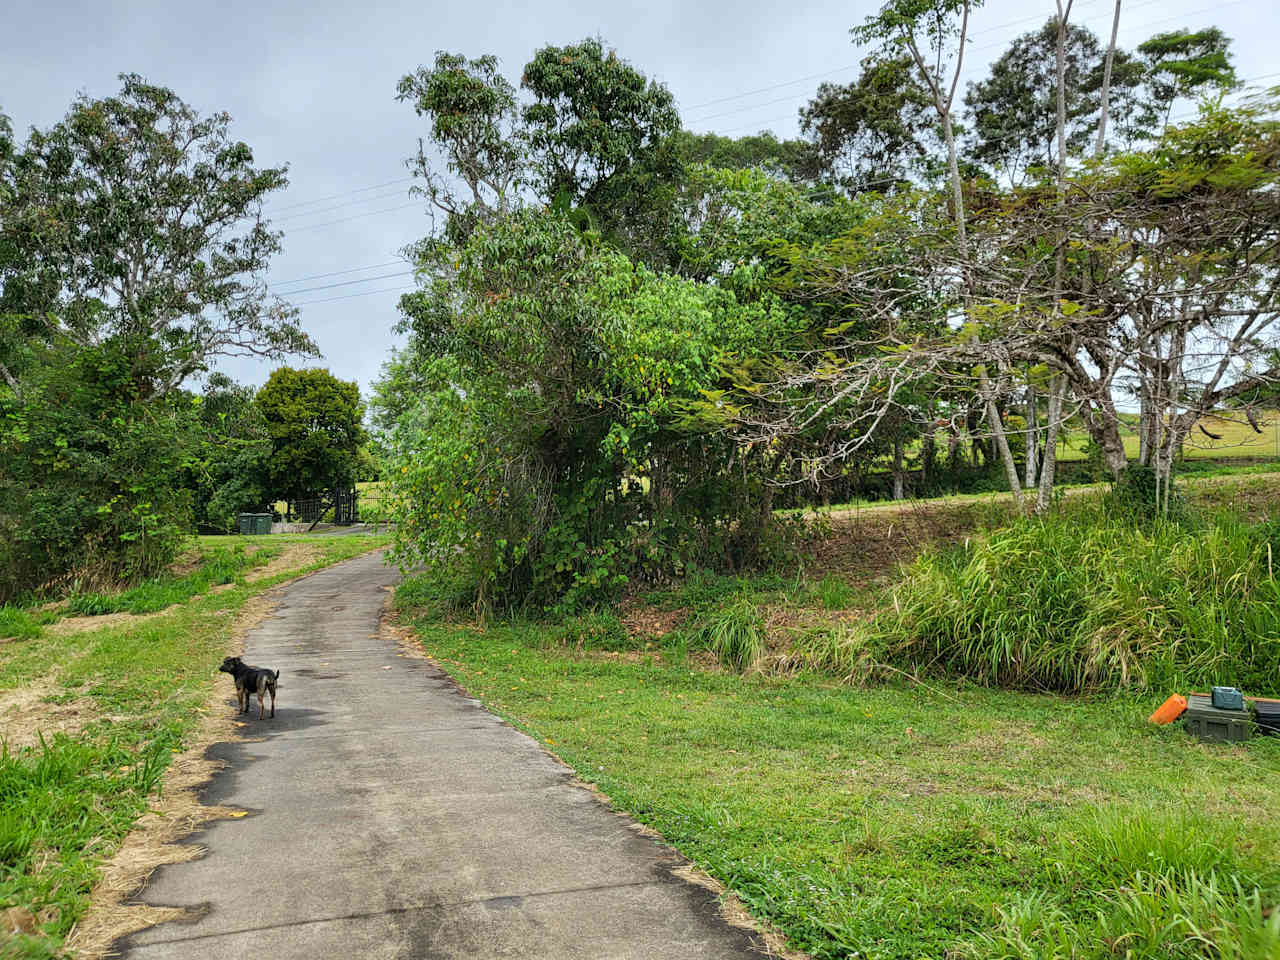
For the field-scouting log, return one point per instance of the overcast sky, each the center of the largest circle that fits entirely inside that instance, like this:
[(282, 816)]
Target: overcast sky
[(313, 86)]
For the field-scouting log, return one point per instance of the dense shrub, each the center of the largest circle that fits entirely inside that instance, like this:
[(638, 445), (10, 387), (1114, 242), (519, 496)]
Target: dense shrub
[(1078, 600), (91, 488), (557, 446)]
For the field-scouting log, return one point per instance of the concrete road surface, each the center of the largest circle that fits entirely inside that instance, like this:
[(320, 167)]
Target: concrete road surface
[(391, 816)]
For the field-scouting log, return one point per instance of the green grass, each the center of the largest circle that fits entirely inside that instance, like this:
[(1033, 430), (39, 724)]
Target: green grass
[(734, 634), (1237, 439), (220, 564), (896, 821), (67, 804), (1081, 599)]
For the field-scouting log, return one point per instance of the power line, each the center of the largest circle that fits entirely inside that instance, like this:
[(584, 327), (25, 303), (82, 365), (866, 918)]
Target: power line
[(762, 125), (348, 283), (371, 213), (340, 206), (349, 296), (854, 66), (338, 273), (376, 186), (787, 83)]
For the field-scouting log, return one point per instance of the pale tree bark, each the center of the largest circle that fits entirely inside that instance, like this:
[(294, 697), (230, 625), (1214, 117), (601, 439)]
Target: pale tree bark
[(898, 482), (1031, 434), (1105, 96), (1044, 495), (1002, 444)]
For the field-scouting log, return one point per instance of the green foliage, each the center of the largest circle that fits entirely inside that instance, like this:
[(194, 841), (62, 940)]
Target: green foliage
[(833, 593), (230, 476), (315, 424), (873, 133), (1014, 110), (593, 118), (218, 565), (598, 630), (734, 633), (792, 159), (899, 821), (18, 623), (1080, 600), (558, 445), (135, 218), (92, 489)]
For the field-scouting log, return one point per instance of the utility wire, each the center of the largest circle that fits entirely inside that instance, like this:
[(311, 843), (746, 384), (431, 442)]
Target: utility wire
[(358, 216), (970, 51), (349, 296), (338, 273), (762, 125), (334, 196), (348, 283), (339, 206)]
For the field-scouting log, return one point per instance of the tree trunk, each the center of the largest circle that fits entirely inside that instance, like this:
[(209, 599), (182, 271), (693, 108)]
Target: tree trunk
[(1106, 85), (1029, 477), (898, 485), (1002, 444), (1049, 465), (927, 454)]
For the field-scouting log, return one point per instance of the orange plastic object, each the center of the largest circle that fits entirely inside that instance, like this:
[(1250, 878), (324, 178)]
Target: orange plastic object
[(1170, 710)]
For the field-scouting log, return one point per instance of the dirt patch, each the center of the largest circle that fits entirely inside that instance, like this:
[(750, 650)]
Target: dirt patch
[(293, 557), (26, 715), (156, 838), (63, 628), (869, 546), (647, 622)]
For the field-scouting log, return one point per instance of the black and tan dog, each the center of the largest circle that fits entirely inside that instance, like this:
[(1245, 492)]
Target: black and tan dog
[(250, 680)]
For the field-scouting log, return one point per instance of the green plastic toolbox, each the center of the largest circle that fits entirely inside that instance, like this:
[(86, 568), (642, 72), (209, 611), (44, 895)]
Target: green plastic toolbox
[(1210, 723)]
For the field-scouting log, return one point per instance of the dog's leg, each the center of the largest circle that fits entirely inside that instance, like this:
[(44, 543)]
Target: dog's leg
[(262, 709), (273, 702)]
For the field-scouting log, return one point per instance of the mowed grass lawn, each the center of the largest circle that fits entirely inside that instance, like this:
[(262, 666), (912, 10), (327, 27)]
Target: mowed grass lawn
[(90, 718), (1235, 439), (891, 821)]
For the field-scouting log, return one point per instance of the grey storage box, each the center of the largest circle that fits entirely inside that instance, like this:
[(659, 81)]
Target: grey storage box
[(1224, 726)]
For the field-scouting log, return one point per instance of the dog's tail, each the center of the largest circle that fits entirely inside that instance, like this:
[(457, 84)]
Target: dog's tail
[(272, 682)]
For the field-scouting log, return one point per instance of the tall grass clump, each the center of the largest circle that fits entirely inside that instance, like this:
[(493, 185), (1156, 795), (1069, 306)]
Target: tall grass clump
[(218, 565), (1082, 600), (734, 633), (17, 623)]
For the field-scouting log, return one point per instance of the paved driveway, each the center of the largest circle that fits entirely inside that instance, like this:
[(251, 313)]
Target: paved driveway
[(390, 816)]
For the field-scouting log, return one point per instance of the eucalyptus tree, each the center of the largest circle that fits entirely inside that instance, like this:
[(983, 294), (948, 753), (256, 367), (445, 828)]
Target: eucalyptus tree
[(474, 123), (1013, 112), (878, 132), (138, 220)]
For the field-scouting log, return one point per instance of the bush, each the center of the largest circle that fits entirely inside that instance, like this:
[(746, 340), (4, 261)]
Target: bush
[(1078, 601), (734, 633), (91, 491)]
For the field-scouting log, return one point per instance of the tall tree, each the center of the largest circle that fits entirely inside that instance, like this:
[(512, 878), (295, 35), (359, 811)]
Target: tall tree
[(602, 139), (874, 133), (594, 118), (136, 218), (474, 123), (1014, 111), (790, 159), (316, 425)]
